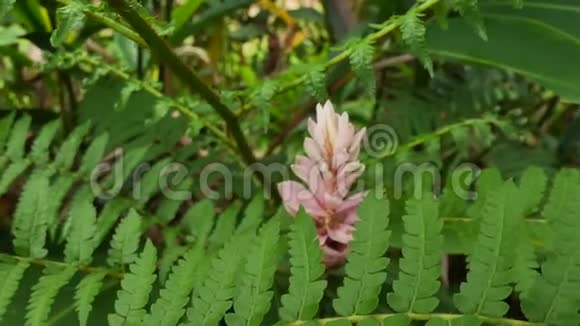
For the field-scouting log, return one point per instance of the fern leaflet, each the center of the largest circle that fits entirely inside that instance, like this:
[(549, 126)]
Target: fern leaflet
[(315, 81), (125, 241), (491, 264), (361, 61), (253, 300), (70, 18), (80, 243), (10, 276), (94, 154), (225, 226), (306, 289), (66, 155), (135, 288), (366, 266), (17, 140), (533, 186), (40, 148), (85, 294), (418, 281), (44, 292), (413, 33)]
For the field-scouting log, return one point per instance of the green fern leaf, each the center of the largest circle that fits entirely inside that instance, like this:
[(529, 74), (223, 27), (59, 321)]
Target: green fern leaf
[(306, 268), (44, 292), (10, 276), (5, 126), (413, 33), (491, 264), (149, 184), (5, 7), (94, 154), (67, 152), (135, 289), (315, 82), (253, 215), (70, 18), (17, 139), (469, 9), (80, 243), (488, 180), (397, 320), (85, 294), (418, 282), (40, 149), (533, 185), (170, 306), (553, 298), (30, 223), (58, 192), (214, 298), (366, 266), (254, 298), (526, 263), (199, 220), (262, 99), (12, 172), (361, 60), (108, 217), (125, 241), (225, 226)]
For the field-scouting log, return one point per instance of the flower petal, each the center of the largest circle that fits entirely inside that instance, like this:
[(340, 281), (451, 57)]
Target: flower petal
[(294, 195)]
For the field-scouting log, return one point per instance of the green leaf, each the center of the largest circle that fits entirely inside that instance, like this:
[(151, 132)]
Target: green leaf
[(418, 281), (30, 223), (85, 294), (491, 265), (5, 124), (58, 192), (306, 270), (315, 82), (214, 297), (540, 24), (361, 60), (225, 226), (554, 296), (80, 242), (11, 173), (253, 215), (66, 155), (40, 149), (5, 7), (262, 99), (255, 294), (413, 34), (125, 241), (94, 154), (366, 266), (470, 11), (110, 214), (17, 139), (170, 306), (135, 289), (69, 19), (10, 276), (199, 220), (533, 185), (183, 13), (44, 292)]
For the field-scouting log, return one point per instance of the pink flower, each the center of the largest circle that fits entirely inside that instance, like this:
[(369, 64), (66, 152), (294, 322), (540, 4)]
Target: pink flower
[(329, 169)]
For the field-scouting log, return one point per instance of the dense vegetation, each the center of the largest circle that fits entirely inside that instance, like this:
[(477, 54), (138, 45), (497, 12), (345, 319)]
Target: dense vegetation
[(144, 147)]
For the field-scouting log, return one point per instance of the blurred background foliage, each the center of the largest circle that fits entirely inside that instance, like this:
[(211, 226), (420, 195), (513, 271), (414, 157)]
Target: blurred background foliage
[(491, 82)]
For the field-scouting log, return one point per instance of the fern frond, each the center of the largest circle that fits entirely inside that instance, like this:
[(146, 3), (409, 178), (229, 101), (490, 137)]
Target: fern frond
[(30, 223), (44, 292), (67, 152), (11, 173), (306, 268), (85, 294), (366, 265), (225, 226), (315, 82), (108, 217), (82, 217), (469, 9), (361, 60), (254, 298), (39, 152), (413, 33), (533, 185), (214, 298), (149, 184), (70, 18), (553, 298), (253, 215), (491, 264), (5, 129), (418, 281), (17, 139), (94, 154), (487, 181), (10, 276), (135, 289), (199, 220), (170, 306), (125, 241), (58, 192), (262, 99)]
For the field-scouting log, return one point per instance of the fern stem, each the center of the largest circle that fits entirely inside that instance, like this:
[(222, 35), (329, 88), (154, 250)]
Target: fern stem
[(386, 28), (182, 71), (417, 317), (47, 263)]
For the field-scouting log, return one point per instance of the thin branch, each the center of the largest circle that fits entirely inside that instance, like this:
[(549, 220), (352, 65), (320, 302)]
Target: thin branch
[(161, 49)]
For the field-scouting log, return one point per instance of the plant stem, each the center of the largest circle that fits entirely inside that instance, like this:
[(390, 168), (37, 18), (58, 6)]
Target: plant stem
[(419, 317), (161, 49), (388, 26)]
